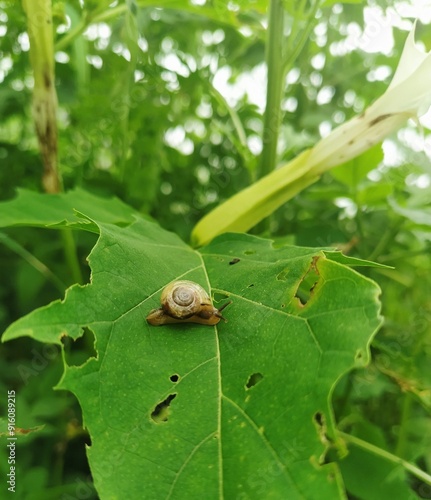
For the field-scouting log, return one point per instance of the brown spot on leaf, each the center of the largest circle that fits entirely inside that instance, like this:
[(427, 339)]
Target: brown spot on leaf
[(379, 119)]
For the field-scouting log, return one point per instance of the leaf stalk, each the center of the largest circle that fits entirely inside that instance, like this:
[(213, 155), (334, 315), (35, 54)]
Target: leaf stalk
[(386, 455)]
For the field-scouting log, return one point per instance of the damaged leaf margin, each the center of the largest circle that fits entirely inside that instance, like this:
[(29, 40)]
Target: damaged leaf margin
[(169, 405)]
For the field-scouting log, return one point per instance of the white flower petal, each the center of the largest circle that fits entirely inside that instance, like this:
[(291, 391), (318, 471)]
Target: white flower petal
[(411, 58), (408, 96)]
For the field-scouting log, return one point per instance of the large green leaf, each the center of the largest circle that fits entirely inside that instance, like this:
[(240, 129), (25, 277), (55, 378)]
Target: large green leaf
[(29, 208), (240, 410)]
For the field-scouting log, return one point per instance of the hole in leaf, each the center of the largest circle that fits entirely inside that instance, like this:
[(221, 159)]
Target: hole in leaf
[(307, 283), (319, 419), (253, 379), (174, 378), (249, 286), (320, 422), (249, 252), (220, 297), (234, 261), (78, 351), (161, 411), (331, 453)]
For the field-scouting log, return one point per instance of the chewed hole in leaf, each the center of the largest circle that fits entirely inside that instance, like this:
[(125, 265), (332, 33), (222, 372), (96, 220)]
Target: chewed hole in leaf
[(307, 284), (162, 410), (319, 419), (174, 378), (220, 298), (253, 380), (78, 351), (320, 423)]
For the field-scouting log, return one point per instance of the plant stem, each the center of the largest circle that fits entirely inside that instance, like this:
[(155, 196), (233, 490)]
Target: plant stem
[(387, 237), (69, 248), (305, 33), (87, 19), (274, 91), (420, 474), (404, 255), (33, 261), (403, 430), (236, 121), (40, 33)]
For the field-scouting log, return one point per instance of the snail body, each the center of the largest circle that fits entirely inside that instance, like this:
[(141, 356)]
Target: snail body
[(185, 302)]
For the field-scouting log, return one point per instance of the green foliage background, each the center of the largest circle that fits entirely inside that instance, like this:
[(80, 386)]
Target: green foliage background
[(118, 98)]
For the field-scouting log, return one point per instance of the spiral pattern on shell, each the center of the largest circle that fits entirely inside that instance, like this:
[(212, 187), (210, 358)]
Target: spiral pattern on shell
[(182, 295), (183, 299)]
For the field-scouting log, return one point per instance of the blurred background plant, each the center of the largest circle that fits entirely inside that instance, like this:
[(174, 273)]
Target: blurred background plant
[(163, 107)]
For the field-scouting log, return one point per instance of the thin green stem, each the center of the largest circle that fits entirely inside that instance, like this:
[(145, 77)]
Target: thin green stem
[(70, 254), (236, 121), (274, 92), (278, 60), (404, 255), (239, 137), (359, 218), (305, 33), (403, 429), (88, 18), (387, 237), (32, 261), (375, 450)]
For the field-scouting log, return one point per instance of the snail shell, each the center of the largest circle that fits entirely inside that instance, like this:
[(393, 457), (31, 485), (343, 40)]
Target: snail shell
[(185, 302)]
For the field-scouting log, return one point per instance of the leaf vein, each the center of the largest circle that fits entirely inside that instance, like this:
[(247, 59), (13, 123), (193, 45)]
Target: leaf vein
[(186, 461)]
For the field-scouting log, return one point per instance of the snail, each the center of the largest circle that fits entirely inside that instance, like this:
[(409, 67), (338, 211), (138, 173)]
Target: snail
[(185, 302)]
